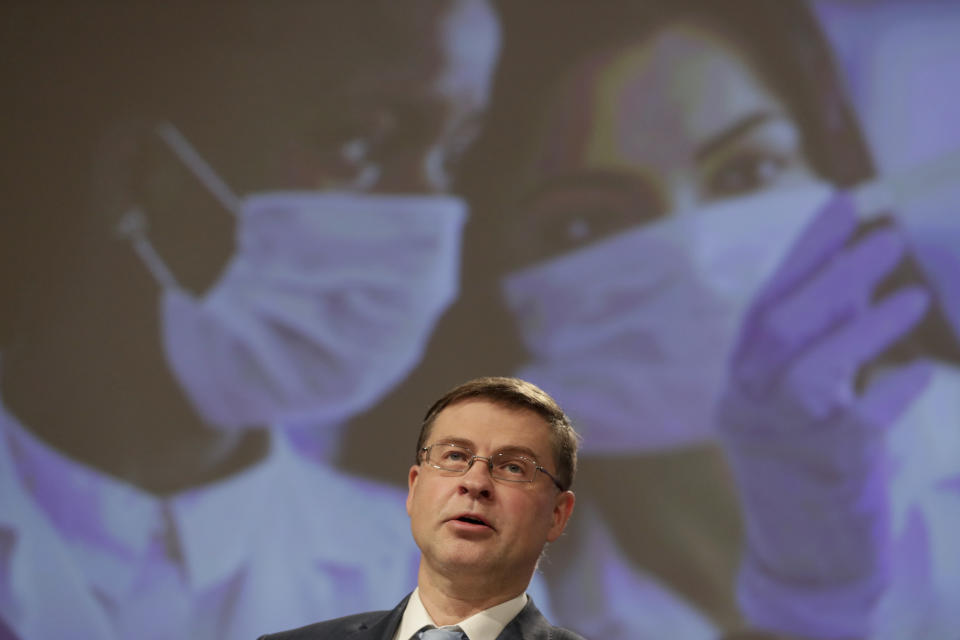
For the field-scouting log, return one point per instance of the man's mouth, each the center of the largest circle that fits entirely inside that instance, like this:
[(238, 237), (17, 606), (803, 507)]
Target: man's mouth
[(473, 519)]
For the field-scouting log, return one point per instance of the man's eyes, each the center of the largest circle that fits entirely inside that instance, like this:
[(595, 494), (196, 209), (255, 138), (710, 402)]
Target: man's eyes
[(512, 464), (512, 468), (517, 466)]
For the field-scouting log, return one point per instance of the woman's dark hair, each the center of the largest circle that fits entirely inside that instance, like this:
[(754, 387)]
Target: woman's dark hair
[(790, 50), (782, 39)]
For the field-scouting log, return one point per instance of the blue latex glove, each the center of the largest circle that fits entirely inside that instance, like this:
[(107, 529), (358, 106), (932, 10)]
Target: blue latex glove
[(807, 449)]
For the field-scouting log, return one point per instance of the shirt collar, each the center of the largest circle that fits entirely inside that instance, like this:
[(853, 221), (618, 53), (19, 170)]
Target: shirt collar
[(116, 530), (216, 524), (485, 625), (107, 522)]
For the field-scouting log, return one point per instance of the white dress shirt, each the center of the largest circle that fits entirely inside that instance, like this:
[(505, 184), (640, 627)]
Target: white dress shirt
[(485, 625)]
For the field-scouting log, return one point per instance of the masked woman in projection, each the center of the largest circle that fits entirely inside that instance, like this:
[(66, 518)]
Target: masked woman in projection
[(690, 275)]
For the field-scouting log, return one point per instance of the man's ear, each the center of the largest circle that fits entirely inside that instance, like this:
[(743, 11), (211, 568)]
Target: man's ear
[(562, 510), (412, 477)]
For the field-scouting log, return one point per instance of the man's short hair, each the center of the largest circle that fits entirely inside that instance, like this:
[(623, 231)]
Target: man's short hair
[(516, 394)]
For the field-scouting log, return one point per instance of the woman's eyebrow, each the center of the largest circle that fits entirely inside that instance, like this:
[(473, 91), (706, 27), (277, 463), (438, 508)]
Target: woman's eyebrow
[(731, 133)]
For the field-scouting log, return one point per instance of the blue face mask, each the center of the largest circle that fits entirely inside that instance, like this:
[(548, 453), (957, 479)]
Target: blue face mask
[(632, 334), (326, 304)]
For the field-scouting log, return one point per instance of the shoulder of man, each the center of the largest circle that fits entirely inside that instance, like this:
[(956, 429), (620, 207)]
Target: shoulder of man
[(337, 628), (530, 624)]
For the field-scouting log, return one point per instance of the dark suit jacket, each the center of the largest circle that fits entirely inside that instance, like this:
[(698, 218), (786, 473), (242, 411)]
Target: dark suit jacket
[(529, 624)]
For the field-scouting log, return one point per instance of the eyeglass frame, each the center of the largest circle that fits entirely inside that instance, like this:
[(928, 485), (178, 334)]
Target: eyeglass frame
[(489, 461)]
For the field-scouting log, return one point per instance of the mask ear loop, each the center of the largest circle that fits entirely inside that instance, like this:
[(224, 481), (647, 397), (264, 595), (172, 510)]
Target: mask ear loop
[(133, 227), (133, 224), (189, 156)]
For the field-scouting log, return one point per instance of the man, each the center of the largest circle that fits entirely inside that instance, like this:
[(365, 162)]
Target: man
[(491, 486), (293, 165)]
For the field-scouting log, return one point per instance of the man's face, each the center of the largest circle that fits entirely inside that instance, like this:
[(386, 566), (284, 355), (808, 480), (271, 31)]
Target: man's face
[(471, 523)]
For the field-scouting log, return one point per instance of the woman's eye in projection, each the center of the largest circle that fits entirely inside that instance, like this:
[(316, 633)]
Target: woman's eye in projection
[(761, 156), (566, 219)]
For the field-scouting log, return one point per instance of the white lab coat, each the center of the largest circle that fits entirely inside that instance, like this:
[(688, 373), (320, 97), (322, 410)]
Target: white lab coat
[(283, 544)]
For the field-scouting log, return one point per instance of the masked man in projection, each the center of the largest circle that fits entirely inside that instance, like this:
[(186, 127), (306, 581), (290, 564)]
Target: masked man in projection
[(246, 223)]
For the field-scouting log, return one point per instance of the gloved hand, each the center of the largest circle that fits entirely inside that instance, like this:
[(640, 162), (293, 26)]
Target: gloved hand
[(807, 449)]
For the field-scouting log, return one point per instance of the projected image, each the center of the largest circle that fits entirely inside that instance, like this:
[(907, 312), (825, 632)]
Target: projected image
[(687, 272), (246, 245)]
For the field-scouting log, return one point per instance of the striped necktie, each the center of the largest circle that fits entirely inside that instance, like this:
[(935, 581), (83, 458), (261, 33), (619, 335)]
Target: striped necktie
[(450, 633)]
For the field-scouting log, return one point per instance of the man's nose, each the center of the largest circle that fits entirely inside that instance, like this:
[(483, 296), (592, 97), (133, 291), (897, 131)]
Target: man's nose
[(477, 480)]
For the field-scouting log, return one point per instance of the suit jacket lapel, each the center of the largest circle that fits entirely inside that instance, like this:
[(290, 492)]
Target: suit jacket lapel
[(382, 628), (528, 625)]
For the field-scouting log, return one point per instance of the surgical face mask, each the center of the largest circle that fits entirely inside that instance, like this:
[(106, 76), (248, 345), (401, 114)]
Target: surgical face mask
[(327, 302), (632, 335)]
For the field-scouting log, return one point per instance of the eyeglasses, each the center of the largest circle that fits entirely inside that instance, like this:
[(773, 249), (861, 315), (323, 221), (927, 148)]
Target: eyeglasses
[(505, 465)]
